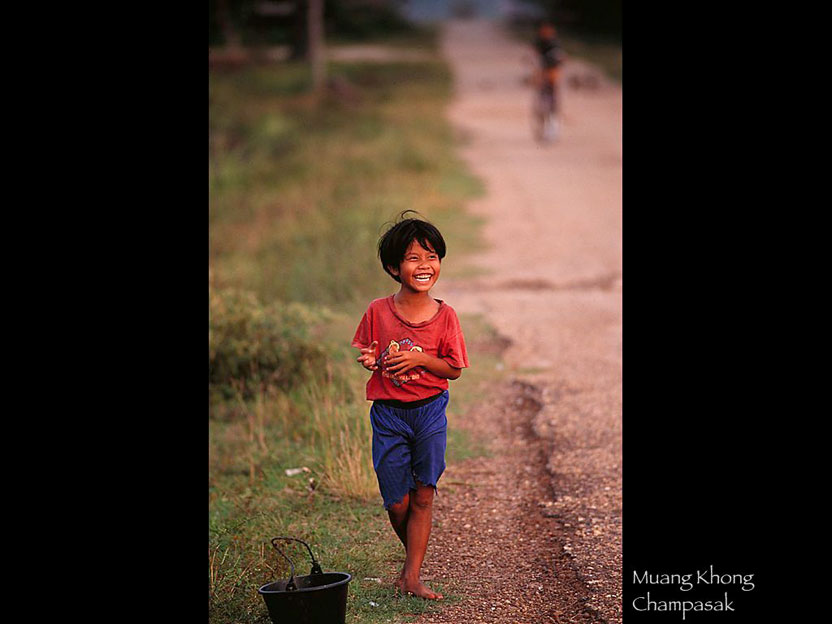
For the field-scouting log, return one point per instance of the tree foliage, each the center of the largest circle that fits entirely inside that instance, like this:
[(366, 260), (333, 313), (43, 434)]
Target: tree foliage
[(601, 17), (346, 19)]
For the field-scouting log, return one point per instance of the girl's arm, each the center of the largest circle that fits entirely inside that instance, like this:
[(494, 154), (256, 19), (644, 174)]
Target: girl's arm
[(403, 361)]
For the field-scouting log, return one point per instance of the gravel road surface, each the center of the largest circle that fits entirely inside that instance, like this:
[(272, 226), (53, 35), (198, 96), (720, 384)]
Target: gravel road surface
[(550, 498)]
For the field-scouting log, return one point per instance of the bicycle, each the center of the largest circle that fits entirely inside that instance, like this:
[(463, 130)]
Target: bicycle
[(546, 121), (549, 58)]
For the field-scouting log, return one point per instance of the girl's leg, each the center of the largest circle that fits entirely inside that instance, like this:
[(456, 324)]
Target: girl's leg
[(391, 460), (418, 532), (398, 514), (428, 461)]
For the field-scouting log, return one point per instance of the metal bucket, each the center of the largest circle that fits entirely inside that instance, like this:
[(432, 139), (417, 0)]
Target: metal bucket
[(317, 598)]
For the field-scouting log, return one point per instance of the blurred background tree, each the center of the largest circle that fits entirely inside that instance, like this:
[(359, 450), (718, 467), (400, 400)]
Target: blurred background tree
[(590, 17), (284, 22)]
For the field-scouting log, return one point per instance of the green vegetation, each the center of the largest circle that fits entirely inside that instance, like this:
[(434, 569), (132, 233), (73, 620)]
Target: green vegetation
[(588, 17), (252, 347), (599, 50), (376, 21), (321, 425), (298, 192), (344, 20)]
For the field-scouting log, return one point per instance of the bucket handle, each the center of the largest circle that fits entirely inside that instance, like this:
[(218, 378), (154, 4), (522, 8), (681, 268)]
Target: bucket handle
[(316, 567), (291, 584)]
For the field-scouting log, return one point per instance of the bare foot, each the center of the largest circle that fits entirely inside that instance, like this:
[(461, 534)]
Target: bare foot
[(421, 590)]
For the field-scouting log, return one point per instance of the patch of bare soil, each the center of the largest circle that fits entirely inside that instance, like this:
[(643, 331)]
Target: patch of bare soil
[(497, 542)]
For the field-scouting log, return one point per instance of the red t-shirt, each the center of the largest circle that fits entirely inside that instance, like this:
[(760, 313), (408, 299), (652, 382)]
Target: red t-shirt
[(440, 336)]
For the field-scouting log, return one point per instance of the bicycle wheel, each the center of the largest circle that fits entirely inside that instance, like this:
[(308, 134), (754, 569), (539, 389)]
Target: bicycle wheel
[(543, 116)]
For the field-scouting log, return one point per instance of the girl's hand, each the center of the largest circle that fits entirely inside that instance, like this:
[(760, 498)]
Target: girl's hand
[(403, 361), (368, 356)]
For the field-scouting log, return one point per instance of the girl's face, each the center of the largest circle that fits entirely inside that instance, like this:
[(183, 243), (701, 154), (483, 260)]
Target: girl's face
[(419, 268)]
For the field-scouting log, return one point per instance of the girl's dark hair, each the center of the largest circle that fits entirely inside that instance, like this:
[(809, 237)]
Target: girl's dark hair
[(395, 241)]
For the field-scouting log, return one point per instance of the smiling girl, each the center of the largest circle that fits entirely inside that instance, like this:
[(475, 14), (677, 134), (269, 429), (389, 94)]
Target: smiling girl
[(413, 344)]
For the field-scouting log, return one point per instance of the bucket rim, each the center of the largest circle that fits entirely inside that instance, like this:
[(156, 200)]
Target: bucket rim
[(302, 590)]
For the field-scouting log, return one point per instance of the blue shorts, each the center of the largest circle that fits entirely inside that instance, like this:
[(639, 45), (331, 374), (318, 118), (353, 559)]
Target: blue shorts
[(408, 445)]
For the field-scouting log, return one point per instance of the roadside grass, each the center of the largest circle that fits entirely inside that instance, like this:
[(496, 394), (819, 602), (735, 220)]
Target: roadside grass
[(334, 506), (298, 194)]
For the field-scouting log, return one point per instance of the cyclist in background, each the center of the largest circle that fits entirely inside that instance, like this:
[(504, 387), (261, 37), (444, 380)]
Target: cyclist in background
[(550, 59)]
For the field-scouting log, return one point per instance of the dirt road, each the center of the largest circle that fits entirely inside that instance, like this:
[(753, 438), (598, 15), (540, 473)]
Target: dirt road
[(551, 497)]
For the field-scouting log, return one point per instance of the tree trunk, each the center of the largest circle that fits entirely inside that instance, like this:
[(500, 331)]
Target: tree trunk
[(300, 32), (315, 25), (229, 33)]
